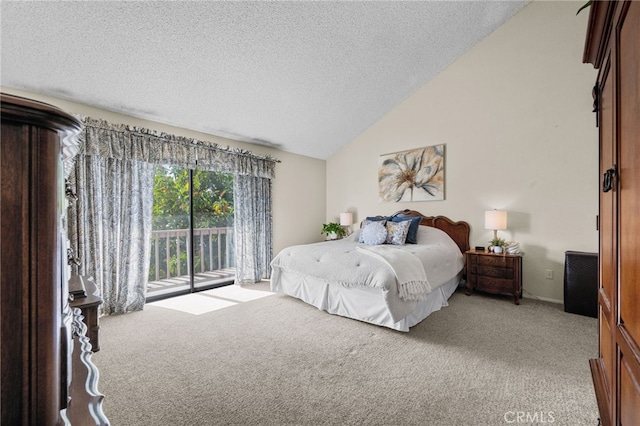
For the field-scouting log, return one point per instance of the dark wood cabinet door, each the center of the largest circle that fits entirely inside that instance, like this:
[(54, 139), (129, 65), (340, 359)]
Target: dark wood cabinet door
[(613, 46), (628, 332)]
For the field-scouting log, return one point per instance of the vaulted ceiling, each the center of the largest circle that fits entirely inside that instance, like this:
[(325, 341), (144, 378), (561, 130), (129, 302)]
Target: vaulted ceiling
[(305, 77)]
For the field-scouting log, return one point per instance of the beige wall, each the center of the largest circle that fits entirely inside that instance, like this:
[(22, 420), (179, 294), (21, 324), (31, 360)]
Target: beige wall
[(515, 116), (298, 189)]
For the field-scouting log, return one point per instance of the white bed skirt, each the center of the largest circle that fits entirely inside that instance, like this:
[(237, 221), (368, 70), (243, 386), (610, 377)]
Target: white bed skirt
[(365, 304)]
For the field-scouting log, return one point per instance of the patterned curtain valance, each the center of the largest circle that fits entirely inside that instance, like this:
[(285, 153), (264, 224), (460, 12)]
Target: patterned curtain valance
[(124, 142)]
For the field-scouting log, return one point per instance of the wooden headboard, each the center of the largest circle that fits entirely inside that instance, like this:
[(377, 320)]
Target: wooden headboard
[(458, 231)]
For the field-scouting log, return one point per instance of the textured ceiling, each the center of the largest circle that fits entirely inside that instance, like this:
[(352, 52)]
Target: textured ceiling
[(306, 77)]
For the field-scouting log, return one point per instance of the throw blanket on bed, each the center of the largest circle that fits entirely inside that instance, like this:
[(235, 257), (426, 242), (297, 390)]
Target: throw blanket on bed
[(408, 269)]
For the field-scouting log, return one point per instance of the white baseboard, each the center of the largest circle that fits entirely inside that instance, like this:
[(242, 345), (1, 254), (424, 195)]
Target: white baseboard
[(544, 299)]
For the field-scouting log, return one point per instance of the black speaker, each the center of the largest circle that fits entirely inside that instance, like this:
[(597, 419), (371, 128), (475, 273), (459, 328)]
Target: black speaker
[(581, 283)]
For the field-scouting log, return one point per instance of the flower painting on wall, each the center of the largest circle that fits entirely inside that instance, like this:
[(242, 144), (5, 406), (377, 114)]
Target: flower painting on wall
[(414, 175)]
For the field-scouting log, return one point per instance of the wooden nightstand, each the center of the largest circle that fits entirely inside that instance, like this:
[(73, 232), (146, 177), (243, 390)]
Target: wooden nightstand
[(88, 304), (494, 273)]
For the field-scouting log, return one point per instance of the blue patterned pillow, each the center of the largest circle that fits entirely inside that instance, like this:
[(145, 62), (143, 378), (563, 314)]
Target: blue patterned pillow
[(397, 232), (377, 219), (373, 233), (412, 235)]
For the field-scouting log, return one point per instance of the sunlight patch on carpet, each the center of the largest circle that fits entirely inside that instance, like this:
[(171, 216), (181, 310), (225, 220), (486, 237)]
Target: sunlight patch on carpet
[(237, 293), (194, 304), (211, 300)]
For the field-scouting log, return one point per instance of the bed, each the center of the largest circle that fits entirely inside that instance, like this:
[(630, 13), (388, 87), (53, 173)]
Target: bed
[(394, 286)]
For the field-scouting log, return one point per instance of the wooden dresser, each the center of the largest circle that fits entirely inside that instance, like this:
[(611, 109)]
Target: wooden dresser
[(41, 334), (613, 47)]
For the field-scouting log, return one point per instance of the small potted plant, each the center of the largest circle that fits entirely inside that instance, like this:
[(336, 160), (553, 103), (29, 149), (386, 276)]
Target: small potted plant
[(333, 230), (497, 245)]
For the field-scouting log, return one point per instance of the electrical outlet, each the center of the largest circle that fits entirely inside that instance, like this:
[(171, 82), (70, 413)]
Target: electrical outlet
[(548, 274)]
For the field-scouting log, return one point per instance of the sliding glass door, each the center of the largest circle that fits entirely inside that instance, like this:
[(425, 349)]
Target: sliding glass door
[(192, 234)]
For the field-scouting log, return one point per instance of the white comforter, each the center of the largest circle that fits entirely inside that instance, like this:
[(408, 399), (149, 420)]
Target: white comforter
[(340, 262)]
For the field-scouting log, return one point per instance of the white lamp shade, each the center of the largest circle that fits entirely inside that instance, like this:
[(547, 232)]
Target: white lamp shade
[(495, 219), (346, 219)]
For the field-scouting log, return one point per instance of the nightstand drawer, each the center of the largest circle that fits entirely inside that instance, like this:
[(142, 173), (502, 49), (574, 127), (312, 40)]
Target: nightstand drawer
[(494, 272), (494, 285), (497, 261)]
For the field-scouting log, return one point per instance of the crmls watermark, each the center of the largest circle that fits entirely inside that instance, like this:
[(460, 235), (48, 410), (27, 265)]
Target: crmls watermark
[(528, 417)]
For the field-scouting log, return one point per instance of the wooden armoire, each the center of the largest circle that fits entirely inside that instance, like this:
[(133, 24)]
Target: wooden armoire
[(47, 374), (613, 47)]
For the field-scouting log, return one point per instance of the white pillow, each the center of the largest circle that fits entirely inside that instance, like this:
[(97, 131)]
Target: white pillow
[(373, 233), (365, 223)]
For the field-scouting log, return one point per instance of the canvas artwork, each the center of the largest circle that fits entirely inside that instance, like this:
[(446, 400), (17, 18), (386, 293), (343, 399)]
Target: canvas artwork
[(414, 175)]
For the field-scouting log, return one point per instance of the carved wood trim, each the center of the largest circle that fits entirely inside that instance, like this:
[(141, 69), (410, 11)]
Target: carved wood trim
[(85, 404), (28, 111), (597, 37)]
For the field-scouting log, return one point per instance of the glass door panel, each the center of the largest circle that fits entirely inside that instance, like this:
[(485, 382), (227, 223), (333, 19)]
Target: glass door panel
[(169, 267), (213, 249)]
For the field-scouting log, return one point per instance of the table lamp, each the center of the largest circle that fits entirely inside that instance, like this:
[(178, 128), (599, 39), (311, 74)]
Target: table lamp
[(346, 220), (495, 219)]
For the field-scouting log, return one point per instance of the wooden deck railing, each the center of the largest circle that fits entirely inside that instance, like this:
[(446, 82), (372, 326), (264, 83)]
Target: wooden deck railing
[(213, 250)]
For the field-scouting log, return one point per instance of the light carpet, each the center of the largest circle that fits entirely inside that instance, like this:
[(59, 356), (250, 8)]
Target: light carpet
[(278, 361)]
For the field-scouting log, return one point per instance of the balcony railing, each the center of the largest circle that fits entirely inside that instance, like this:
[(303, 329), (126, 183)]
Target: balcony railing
[(212, 250)]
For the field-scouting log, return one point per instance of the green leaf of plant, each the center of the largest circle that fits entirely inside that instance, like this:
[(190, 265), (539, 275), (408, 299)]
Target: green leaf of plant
[(584, 6)]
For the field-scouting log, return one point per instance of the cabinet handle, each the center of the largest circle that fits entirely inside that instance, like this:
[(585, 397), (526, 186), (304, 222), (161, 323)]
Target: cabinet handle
[(607, 179)]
